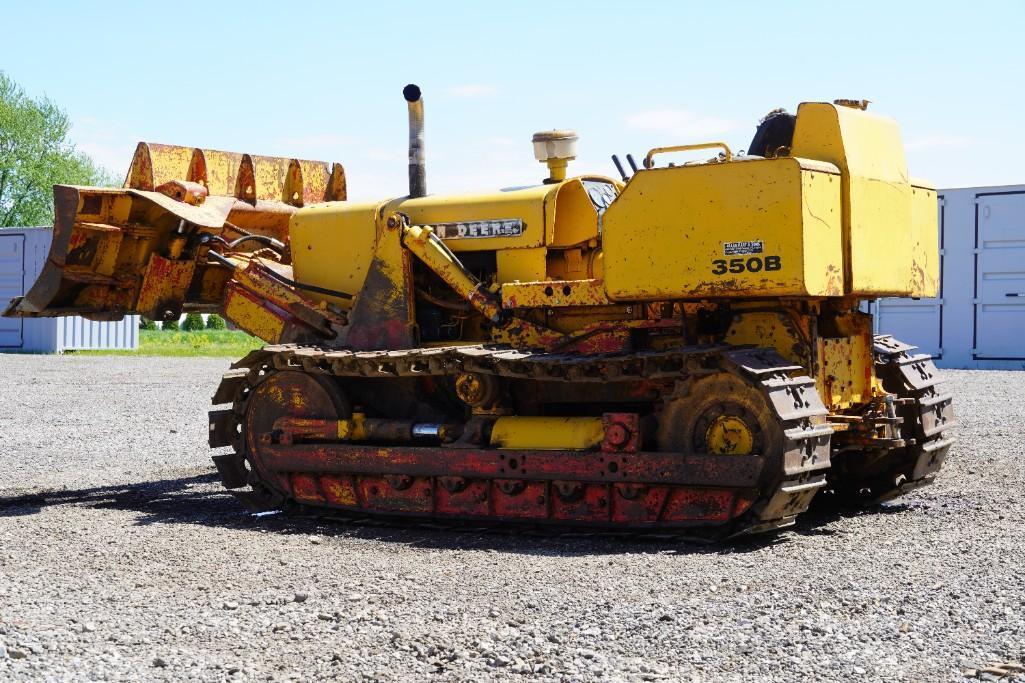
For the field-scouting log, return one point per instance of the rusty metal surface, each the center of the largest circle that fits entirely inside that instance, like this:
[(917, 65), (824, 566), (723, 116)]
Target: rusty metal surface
[(103, 241), (278, 311), (618, 486), (696, 469), (922, 415), (164, 286), (555, 294), (248, 177), (553, 502), (287, 394), (927, 412)]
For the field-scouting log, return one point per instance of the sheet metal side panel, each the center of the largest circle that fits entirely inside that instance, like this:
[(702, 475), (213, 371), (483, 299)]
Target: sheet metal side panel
[(37, 333), (999, 276), (12, 274), (668, 233), (917, 321)]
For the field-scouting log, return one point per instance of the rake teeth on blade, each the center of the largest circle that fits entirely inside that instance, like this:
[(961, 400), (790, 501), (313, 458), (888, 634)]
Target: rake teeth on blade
[(138, 249), (247, 177)]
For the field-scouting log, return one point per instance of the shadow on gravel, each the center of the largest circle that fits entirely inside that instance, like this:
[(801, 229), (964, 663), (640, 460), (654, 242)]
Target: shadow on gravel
[(824, 512), (199, 500), (164, 501)]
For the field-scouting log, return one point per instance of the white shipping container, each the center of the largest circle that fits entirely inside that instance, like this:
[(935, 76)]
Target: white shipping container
[(23, 252), (978, 320)]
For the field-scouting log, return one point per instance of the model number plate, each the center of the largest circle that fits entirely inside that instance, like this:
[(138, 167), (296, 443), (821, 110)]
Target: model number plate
[(741, 248), (505, 227), (751, 264)]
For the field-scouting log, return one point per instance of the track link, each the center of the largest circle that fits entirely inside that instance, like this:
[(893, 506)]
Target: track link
[(782, 491), (927, 414)]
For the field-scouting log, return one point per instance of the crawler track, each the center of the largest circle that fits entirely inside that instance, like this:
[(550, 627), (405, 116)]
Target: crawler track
[(927, 413), (879, 470), (686, 494)]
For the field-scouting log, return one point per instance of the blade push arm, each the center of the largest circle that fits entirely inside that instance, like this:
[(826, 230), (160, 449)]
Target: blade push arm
[(432, 251)]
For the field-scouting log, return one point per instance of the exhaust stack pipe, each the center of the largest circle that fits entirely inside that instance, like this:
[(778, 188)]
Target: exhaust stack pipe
[(417, 163)]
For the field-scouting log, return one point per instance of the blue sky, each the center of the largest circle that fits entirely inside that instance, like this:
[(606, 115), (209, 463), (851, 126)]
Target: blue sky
[(323, 80)]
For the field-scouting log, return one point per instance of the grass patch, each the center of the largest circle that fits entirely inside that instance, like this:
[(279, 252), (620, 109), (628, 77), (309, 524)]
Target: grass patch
[(217, 343)]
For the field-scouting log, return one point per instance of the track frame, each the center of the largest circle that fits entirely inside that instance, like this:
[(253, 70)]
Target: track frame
[(712, 495)]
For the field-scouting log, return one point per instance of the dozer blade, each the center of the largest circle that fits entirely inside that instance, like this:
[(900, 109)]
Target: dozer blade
[(136, 249)]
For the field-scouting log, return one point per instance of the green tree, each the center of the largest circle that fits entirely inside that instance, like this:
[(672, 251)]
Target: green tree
[(146, 324), (215, 322), (35, 155), (193, 322), (169, 326)]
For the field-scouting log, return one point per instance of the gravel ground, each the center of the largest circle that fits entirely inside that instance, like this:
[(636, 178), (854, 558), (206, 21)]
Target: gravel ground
[(127, 561)]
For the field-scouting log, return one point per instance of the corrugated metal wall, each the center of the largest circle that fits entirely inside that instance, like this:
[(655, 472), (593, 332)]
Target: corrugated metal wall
[(978, 321), (55, 335), (40, 334), (12, 272), (80, 334)]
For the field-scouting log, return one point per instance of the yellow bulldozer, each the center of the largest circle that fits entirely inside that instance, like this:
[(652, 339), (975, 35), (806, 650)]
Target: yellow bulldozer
[(677, 350)]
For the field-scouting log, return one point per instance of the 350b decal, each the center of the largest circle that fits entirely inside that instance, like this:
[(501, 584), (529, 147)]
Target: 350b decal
[(753, 264)]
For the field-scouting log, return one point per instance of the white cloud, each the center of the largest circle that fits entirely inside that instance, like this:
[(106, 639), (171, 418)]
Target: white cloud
[(680, 124), (930, 142), (472, 90)]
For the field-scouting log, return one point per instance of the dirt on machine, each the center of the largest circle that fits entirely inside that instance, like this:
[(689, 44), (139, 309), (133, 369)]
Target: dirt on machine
[(677, 350)]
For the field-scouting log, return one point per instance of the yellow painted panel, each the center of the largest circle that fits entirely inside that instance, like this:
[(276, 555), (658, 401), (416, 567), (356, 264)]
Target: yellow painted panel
[(769, 227), (164, 285), (772, 329), (252, 315), (576, 220), (554, 294), (823, 233), (548, 433), (270, 174), (845, 370), (880, 253), (221, 170), (333, 245), (155, 164), (525, 265), (532, 205), (925, 242)]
